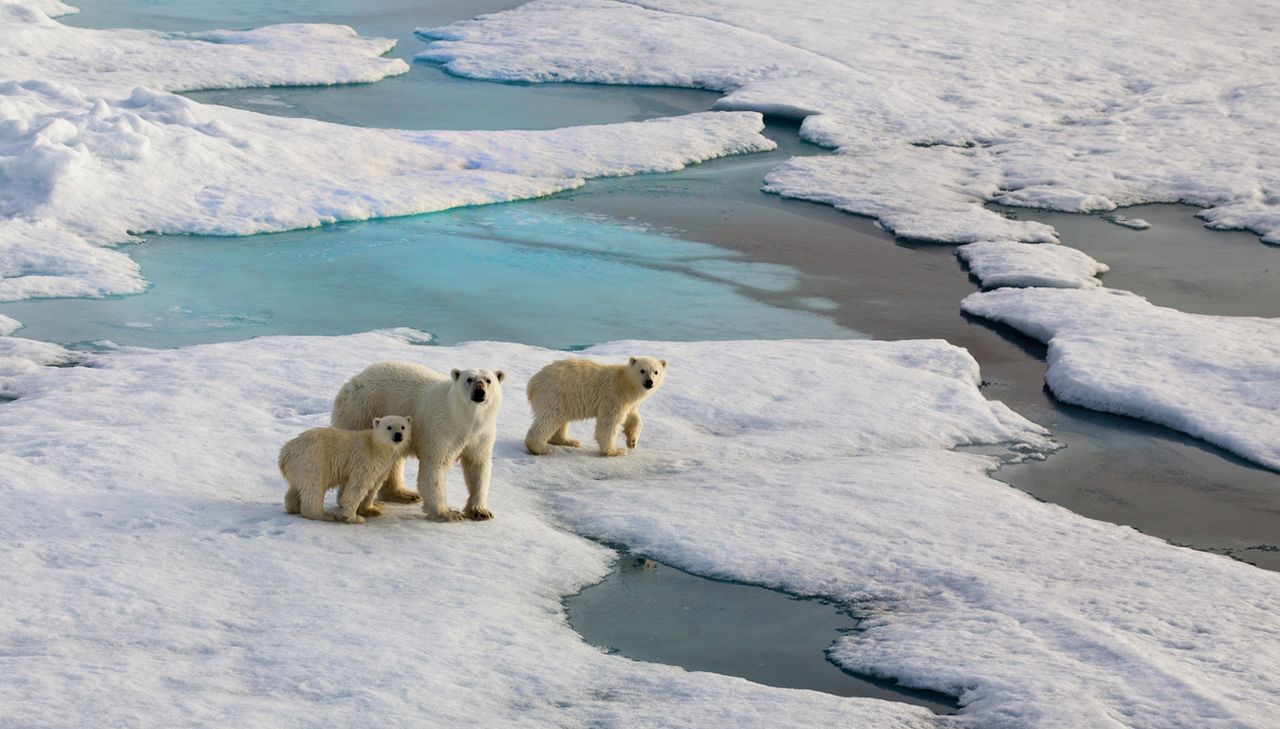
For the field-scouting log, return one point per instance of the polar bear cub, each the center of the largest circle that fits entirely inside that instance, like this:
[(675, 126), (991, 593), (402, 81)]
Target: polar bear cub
[(580, 389), (357, 461), (455, 418)]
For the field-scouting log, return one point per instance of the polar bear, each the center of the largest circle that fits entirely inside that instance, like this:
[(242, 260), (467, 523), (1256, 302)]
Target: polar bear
[(357, 461), (454, 418), (578, 389)]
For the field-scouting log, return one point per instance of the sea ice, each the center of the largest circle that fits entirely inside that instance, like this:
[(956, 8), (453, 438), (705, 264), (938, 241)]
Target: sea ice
[(935, 108), (94, 151), (1214, 377), (156, 581), (8, 325), (1010, 263)]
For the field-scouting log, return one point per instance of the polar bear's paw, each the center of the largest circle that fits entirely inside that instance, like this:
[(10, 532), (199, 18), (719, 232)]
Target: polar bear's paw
[(632, 441), (477, 513), (614, 452), (370, 510), (401, 497), (446, 516), (353, 519)]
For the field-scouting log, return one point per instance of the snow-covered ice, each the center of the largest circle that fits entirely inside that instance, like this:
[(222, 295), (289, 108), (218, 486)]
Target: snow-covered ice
[(155, 580), (8, 325), (1214, 377), (94, 150), (1010, 263), (934, 108)]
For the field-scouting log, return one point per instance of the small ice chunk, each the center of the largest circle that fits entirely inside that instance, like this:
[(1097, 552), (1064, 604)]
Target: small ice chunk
[(1010, 263)]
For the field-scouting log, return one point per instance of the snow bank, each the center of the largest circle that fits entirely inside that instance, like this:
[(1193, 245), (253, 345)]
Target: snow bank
[(8, 325), (1214, 377), (94, 150), (155, 580), (1009, 263), (934, 108)]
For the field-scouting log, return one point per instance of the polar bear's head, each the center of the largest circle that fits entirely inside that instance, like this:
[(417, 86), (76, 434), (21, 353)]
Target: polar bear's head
[(647, 371), (479, 386), (393, 429)]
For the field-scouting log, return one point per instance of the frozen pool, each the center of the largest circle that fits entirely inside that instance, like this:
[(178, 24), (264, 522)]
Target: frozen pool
[(652, 612)]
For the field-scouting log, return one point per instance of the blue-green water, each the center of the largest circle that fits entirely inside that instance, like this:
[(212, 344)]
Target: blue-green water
[(507, 272)]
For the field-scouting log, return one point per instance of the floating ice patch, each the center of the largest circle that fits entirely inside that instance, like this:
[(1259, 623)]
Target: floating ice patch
[(1126, 222), (932, 109), (822, 468), (1214, 377), (8, 325), (1009, 263)]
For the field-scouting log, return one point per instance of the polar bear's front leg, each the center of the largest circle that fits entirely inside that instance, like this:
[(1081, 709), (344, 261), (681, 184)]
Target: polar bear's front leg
[(607, 425), (431, 484), (393, 489), (631, 428), (351, 495), (476, 465)]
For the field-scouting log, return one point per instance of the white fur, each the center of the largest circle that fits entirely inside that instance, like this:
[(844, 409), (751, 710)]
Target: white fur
[(580, 389), (356, 461), (448, 426)]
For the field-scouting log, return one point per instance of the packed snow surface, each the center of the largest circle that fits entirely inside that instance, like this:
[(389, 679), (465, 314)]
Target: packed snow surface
[(1214, 377), (934, 108), (94, 149), (1010, 263), (155, 581)]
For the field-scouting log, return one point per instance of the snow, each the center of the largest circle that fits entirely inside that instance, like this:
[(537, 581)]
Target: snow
[(935, 108), (94, 150), (1009, 263), (8, 325), (155, 580), (1214, 377)]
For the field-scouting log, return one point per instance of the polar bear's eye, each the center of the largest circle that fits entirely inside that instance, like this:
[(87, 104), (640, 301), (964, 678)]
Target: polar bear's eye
[(470, 380)]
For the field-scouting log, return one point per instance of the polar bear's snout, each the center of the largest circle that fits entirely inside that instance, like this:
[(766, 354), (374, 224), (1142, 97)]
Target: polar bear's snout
[(648, 383), (477, 392), (397, 437)]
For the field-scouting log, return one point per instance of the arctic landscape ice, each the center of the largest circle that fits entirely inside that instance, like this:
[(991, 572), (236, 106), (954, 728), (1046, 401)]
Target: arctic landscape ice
[(971, 312)]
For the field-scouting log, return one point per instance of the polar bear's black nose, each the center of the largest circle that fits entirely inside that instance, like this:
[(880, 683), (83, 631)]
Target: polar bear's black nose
[(397, 437), (648, 384), (477, 396)]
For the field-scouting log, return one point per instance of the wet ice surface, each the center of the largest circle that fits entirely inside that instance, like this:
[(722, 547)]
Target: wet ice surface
[(511, 273), (652, 612)]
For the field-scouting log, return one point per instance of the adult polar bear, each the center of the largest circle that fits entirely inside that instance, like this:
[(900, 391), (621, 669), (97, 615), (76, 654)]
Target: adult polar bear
[(454, 419)]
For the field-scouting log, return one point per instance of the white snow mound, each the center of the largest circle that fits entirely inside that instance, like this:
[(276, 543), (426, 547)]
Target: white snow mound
[(935, 107), (1214, 377), (155, 580)]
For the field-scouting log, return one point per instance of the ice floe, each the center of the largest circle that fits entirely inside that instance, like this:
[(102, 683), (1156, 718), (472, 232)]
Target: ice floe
[(1010, 263), (94, 149), (156, 581), (934, 108), (1214, 377), (8, 325)]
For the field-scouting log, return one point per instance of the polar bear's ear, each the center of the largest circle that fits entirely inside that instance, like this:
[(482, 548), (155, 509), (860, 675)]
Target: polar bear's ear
[(456, 374), (632, 362), (664, 363), (376, 421), (408, 418), (500, 375)]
